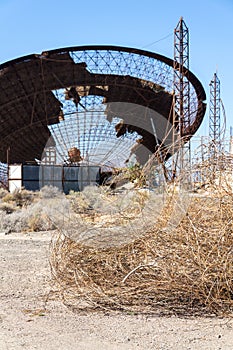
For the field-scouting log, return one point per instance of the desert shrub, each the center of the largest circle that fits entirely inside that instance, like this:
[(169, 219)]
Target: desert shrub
[(7, 208), (136, 175), (3, 192), (42, 215), (133, 174), (55, 209), (50, 192), (8, 198), (15, 222), (79, 204), (21, 197), (26, 220), (92, 200), (92, 194), (40, 222)]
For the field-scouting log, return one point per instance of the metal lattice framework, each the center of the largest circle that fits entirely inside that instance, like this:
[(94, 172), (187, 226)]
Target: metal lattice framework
[(3, 175), (96, 98), (215, 146), (181, 72), (181, 98), (215, 113)]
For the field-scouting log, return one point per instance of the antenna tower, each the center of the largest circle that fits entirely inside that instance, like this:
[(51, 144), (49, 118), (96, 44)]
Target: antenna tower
[(181, 99), (215, 121)]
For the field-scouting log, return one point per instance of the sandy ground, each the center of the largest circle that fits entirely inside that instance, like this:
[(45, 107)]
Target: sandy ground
[(25, 324)]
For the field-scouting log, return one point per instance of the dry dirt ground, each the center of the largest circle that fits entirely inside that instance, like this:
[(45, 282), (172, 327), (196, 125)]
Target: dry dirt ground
[(25, 323)]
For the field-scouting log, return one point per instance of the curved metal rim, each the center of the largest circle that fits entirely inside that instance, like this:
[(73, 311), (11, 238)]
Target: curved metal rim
[(197, 86), (192, 78)]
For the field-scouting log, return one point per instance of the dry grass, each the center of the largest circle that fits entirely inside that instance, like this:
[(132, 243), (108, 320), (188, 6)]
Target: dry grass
[(168, 270), (19, 198), (178, 260)]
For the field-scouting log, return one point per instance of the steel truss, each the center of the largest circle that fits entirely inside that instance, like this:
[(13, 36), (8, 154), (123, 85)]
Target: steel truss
[(215, 115), (182, 114), (215, 146)]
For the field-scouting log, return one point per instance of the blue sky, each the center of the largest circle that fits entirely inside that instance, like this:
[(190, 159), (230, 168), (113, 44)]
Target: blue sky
[(28, 26)]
